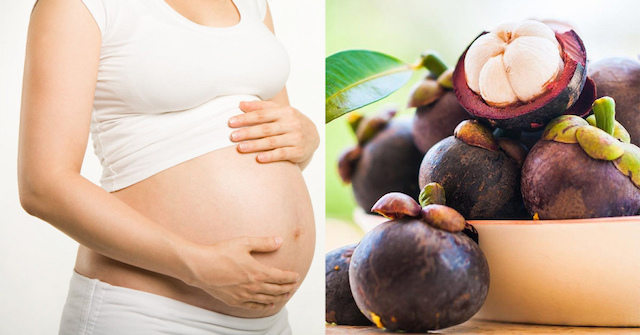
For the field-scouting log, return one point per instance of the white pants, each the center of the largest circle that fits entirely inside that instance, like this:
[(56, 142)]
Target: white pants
[(94, 307)]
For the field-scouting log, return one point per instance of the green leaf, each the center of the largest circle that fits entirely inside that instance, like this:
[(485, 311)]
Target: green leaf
[(356, 78)]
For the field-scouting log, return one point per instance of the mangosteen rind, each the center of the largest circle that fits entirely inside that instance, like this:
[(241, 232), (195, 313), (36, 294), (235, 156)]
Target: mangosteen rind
[(561, 96), (560, 181), (619, 78), (389, 162), (479, 183), (596, 143), (433, 122), (347, 163), (411, 277), (341, 309)]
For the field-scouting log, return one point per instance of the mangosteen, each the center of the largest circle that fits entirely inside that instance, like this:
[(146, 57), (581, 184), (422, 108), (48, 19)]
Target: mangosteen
[(340, 307), (437, 108), (418, 272), (521, 75), (480, 174), (583, 169), (526, 138), (619, 78), (384, 160)]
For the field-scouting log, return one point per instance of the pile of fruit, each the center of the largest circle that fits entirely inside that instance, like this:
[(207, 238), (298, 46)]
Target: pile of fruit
[(515, 131)]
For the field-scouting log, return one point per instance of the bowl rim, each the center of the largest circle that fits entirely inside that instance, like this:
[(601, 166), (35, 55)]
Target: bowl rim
[(521, 222)]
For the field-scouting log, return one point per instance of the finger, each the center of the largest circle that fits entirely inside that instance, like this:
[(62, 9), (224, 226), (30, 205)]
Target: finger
[(255, 117), (250, 106), (280, 154), (277, 289), (262, 244), (277, 276), (256, 306), (268, 298), (259, 131), (267, 143)]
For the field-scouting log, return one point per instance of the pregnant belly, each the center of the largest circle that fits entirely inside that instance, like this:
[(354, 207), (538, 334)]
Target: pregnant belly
[(214, 197)]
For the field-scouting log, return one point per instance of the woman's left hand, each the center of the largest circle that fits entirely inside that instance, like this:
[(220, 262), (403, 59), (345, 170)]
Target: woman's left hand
[(278, 132)]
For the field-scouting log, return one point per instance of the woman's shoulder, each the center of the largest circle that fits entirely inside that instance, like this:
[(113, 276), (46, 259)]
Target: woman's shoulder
[(103, 12), (262, 8), (258, 7)]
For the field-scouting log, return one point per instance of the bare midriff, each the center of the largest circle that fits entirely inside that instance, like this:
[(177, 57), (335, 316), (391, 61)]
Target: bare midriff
[(215, 197)]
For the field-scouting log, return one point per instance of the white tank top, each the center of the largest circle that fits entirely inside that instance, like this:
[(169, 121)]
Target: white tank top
[(167, 85)]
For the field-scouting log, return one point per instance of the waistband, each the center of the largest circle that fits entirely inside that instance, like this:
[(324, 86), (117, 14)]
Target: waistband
[(175, 312)]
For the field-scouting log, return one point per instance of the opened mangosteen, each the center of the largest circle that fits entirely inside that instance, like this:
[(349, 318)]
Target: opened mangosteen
[(340, 307), (437, 108), (384, 160), (480, 174), (619, 78), (418, 271), (583, 169), (521, 75)]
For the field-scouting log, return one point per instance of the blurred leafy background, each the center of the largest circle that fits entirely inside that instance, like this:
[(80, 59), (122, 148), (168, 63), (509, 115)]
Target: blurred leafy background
[(405, 28)]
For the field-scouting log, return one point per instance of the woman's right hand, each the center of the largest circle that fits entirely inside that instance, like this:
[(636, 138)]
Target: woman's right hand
[(228, 272)]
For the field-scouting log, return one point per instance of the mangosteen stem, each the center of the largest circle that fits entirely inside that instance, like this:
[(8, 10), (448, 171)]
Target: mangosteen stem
[(432, 62), (432, 193), (605, 112)]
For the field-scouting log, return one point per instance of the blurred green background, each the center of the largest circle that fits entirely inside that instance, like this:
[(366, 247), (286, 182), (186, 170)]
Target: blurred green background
[(405, 28)]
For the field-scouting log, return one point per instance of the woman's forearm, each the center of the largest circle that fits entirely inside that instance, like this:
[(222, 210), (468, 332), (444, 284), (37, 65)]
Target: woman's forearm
[(105, 224)]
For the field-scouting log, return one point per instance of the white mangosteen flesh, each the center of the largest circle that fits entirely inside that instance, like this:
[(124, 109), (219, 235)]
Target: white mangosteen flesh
[(513, 63)]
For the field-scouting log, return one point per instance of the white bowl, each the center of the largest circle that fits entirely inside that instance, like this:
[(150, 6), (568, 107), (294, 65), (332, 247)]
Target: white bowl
[(561, 272)]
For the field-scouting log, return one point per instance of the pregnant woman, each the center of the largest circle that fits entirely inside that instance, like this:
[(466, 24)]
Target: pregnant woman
[(202, 223)]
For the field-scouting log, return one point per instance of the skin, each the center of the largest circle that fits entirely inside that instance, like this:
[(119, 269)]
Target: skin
[(221, 231)]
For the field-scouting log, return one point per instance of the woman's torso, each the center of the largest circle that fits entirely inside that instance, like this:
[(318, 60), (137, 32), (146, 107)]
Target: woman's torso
[(166, 87), (215, 197)]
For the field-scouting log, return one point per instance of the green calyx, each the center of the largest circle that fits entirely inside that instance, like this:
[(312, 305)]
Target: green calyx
[(432, 62), (368, 127), (429, 90), (474, 133), (600, 136), (604, 110), (619, 131), (563, 129), (513, 149), (425, 93), (432, 193), (629, 163), (445, 80), (598, 144)]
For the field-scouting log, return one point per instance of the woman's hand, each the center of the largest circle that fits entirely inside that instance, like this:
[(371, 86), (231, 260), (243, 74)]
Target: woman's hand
[(228, 272), (278, 132)]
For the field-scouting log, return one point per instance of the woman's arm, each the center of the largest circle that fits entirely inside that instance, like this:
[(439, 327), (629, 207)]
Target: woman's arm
[(276, 128), (60, 73)]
